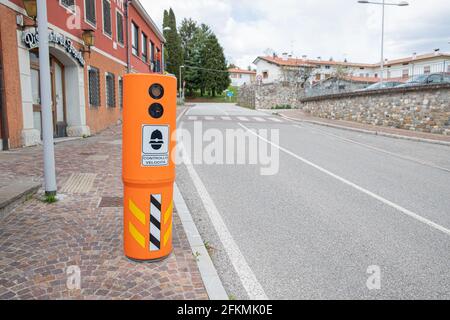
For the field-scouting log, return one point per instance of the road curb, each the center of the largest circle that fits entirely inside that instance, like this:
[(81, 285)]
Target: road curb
[(379, 133), (208, 272)]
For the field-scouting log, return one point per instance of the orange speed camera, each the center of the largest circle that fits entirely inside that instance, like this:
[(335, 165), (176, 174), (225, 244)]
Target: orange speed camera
[(148, 169)]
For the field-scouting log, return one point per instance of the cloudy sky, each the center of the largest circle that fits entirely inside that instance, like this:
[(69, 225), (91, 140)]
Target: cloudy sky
[(326, 28)]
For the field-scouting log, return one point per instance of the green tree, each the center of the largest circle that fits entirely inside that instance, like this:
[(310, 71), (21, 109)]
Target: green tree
[(173, 44), (217, 77), (188, 29)]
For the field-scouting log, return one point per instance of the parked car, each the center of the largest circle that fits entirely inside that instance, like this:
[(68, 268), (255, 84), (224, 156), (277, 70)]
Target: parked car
[(432, 78), (384, 85)]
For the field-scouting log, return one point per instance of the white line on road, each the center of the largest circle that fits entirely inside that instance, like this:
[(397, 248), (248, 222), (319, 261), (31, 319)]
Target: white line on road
[(193, 118), (248, 279), (425, 163), (209, 118), (275, 119), (243, 119), (357, 187), (259, 119), (226, 118)]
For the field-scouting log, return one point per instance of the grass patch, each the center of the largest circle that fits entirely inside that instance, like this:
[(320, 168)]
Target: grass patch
[(50, 198), (222, 98)]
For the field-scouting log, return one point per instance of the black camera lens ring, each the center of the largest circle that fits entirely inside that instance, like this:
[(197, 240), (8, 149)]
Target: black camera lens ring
[(156, 110), (158, 86)]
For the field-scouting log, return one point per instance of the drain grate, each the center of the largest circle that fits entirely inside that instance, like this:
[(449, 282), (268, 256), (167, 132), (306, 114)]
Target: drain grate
[(111, 202), (79, 183)]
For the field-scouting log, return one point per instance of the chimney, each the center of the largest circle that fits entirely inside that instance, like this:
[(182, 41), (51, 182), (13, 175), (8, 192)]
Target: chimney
[(284, 56), (304, 57), (319, 58), (436, 52), (414, 57)]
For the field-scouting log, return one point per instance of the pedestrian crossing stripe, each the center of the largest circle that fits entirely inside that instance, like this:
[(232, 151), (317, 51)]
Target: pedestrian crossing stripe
[(259, 119), (155, 222), (242, 118), (275, 119)]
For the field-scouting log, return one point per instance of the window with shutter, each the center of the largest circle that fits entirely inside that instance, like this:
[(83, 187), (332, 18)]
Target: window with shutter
[(89, 7), (144, 48), (110, 91), (94, 87), (119, 23), (120, 92), (135, 39), (107, 17)]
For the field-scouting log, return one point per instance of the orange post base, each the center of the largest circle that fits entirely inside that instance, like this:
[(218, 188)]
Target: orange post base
[(148, 211)]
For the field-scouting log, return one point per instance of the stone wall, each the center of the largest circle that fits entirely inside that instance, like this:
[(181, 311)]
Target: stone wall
[(268, 96), (423, 108), (246, 96)]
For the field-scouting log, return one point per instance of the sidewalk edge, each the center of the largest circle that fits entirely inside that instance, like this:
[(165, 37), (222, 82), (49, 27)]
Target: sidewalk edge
[(208, 272), (379, 133)]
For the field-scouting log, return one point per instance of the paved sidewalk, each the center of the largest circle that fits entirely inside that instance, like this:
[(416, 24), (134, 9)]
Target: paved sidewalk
[(39, 241), (300, 115)]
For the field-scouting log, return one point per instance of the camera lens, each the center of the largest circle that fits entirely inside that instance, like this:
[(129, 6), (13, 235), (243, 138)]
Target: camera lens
[(156, 110), (156, 91)]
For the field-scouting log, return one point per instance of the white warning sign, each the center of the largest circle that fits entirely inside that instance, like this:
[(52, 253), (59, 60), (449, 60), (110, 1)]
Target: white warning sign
[(155, 146)]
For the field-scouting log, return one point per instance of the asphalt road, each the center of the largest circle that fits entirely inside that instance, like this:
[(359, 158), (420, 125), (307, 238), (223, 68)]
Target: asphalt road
[(341, 204)]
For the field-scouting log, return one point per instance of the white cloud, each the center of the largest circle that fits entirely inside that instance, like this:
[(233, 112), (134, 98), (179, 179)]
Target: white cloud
[(337, 28)]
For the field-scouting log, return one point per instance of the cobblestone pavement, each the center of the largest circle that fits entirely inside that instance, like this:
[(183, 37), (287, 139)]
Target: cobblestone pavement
[(39, 241), (299, 114)]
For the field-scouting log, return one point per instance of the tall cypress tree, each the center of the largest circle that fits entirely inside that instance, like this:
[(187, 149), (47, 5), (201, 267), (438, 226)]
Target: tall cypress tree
[(173, 44), (218, 78)]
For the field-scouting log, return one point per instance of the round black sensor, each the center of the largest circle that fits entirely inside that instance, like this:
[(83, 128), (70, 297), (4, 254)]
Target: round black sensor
[(156, 91), (156, 110)]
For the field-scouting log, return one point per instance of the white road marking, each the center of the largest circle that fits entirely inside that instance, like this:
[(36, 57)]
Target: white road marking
[(209, 118), (425, 163), (248, 279), (243, 118), (226, 118), (357, 187), (193, 118), (275, 119), (259, 119)]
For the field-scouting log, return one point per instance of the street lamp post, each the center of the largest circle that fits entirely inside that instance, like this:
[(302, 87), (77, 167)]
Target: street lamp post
[(181, 84), (46, 100), (383, 4)]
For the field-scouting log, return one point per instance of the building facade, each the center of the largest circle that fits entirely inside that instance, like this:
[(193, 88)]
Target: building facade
[(86, 81), (273, 68), (240, 77)]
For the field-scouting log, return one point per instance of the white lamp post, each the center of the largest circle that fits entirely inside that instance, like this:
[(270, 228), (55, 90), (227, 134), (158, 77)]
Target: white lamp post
[(383, 4), (46, 100)]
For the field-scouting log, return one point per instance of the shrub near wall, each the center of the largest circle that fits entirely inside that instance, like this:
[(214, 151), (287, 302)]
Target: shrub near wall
[(424, 108)]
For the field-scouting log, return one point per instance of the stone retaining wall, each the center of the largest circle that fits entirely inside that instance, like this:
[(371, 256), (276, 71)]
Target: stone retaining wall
[(423, 108), (268, 96)]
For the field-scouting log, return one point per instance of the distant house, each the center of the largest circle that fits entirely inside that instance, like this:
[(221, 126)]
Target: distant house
[(240, 77), (271, 68)]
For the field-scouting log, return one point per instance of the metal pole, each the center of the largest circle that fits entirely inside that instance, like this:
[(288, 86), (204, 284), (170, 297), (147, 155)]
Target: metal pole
[(382, 44), (181, 88), (46, 100)]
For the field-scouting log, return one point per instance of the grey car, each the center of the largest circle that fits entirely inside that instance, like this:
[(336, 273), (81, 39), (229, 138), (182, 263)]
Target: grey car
[(433, 78)]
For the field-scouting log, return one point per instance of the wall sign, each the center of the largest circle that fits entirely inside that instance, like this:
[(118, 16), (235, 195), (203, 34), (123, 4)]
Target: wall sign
[(31, 41)]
